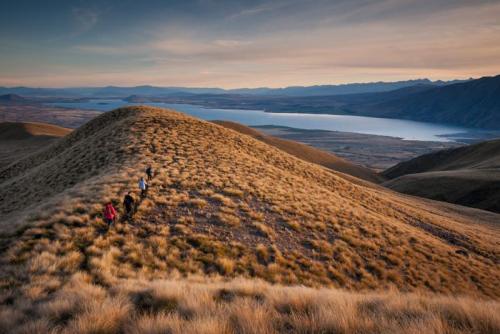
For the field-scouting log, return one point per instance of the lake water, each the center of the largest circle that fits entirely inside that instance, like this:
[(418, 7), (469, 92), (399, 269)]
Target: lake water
[(409, 130)]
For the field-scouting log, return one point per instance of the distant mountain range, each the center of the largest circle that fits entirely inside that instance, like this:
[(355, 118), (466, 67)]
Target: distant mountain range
[(113, 91), (470, 103), (11, 98), (474, 103)]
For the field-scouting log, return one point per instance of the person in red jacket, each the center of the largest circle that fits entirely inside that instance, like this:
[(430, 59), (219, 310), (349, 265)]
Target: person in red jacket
[(109, 213)]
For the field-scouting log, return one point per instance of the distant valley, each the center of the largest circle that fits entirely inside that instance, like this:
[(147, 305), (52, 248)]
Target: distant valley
[(470, 103), (475, 103)]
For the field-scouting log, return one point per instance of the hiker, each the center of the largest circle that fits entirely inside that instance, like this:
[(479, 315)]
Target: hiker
[(143, 185), (149, 173), (109, 213), (128, 203)]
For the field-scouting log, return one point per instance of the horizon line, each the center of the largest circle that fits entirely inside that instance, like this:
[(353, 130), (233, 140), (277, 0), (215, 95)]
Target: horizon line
[(259, 87)]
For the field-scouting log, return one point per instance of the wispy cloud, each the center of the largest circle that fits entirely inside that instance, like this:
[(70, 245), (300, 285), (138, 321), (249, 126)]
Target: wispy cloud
[(259, 9), (193, 47), (108, 50), (263, 43), (231, 43), (84, 18)]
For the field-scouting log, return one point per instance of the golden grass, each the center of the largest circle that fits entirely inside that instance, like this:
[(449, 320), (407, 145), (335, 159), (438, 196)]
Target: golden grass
[(16, 131), (221, 204), (309, 153), (241, 306)]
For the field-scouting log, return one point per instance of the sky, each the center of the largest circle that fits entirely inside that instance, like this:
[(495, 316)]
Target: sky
[(234, 44)]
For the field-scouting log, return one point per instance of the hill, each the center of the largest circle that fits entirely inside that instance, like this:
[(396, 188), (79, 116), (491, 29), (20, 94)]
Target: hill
[(223, 205), (7, 98), (17, 131), (341, 89), (146, 90), (307, 153), (468, 175), (475, 103), (18, 140)]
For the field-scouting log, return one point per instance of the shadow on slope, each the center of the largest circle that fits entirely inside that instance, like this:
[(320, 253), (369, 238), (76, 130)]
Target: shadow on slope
[(18, 140), (468, 175), (17, 131)]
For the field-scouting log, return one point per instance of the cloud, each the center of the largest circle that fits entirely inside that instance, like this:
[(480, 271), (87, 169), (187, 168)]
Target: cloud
[(194, 48), (108, 50), (272, 43), (231, 43), (259, 9), (84, 18)]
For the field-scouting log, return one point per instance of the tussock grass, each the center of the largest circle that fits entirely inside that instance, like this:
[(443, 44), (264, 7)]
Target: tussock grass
[(243, 306), (221, 204)]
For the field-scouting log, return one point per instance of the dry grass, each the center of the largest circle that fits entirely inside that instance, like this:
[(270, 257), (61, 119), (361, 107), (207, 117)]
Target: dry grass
[(309, 153), (18, 140), (220, 204), (242, 306)]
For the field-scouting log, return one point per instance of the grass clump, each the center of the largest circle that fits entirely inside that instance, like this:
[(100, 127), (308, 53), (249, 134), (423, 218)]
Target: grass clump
[(264, 230)]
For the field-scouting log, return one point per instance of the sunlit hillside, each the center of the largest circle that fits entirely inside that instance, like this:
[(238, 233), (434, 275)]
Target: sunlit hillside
[(18, 140), (223, 205), (308, 153)]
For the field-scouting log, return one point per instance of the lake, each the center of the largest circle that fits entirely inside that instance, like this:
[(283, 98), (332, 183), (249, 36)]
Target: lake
[(405, 129)]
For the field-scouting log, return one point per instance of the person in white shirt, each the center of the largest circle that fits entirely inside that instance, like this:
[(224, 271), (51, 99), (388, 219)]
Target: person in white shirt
[(143, 186)]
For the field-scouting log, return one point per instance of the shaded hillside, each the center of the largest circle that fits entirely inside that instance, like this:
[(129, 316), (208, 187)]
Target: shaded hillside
[(342, 89), (475, 103), (474, 188), (468, 175), (221, 204), (11, 98), (17, 131), (307, 153), (18, 140), (484, 155)]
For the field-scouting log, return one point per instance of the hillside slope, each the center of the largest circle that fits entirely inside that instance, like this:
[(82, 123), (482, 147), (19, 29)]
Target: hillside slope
[(11, 98), (16, 131), (220, 205), (468, 175), (307, 153), (18, 140), (475, 103)]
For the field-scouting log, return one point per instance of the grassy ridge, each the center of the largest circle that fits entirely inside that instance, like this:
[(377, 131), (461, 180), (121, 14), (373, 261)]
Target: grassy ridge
[(221, 205), (308, 153)]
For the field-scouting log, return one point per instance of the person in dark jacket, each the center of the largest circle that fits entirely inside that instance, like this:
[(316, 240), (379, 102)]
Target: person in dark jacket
[(128, 203), (149, 173)]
